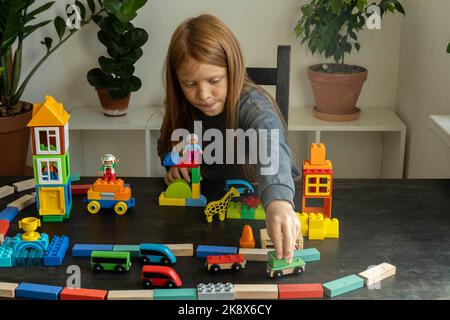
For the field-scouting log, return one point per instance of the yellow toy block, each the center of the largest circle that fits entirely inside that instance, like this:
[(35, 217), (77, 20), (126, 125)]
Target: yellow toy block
[(331, 228), (316, 234), (102, 186), (52, 201), (124, 195), (303, 217), (94, 195), (163, 201), (195, 190), (48, 114), (316, 221)]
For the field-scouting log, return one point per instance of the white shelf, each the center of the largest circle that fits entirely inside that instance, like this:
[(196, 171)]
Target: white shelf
[(440, 125)]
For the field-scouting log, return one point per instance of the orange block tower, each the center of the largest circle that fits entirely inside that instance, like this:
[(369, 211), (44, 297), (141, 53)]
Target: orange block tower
[(317, 182)]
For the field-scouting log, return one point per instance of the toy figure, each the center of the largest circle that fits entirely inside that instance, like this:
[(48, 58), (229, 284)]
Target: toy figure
[(191, 150), (107, 169)]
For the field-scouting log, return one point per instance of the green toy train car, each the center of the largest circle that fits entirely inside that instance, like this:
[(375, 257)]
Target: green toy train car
[(277, 268), (110, 261)]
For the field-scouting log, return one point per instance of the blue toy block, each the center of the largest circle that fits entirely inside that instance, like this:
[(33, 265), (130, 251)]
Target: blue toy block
[(9, 213), (171, 159), (342, 285), (75, 176), (204, 251), (6, 253), (308, 255), (85, 250), (56, 251), (200, 202), (38, 291), (175, 294)]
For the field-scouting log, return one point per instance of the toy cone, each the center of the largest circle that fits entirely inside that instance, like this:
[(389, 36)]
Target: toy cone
[(247, 240)]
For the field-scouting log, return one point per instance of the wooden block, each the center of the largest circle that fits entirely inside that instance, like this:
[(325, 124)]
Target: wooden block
[(255, 291), (377, 273), (80, 189), (300, 291), (4, 226), (82, 294), (130, 295), (182, 250), (175, 294), (8, 290), (24, 185), (23, 202), (6, 191), (343, 285), (266, 242), (255, 254)]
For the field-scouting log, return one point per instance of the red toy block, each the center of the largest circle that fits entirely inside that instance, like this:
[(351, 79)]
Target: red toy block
[(80, 189), (227, 258), (300, 291), (252, 201), (82, 294), (4, 226)]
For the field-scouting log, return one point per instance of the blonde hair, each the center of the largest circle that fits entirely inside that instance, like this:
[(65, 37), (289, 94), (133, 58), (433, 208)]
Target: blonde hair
[(207, 40)]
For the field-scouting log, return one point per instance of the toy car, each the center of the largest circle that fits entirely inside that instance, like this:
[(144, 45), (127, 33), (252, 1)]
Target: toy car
[(243, 187), (234, 262), (156, 253), (281, 267), (110, 261), (115, 195), (159, 276)]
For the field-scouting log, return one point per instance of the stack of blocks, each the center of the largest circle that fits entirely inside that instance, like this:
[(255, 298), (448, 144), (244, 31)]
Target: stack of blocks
[(218, 291), (51, 160), (317, 228), (239, 210), (102, 190)]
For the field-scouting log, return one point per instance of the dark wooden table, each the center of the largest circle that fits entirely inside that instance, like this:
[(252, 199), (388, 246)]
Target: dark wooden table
[(403, 222)]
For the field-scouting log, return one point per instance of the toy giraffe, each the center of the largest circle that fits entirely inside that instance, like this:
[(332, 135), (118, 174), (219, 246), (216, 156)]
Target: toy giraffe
[(220, 206)]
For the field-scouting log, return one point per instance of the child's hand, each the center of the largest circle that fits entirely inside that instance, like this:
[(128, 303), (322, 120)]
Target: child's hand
[(177, 173), (283, 227)]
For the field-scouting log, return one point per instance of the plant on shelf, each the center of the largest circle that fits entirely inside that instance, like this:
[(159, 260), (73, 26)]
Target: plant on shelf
[(330, 27), (115, 80), (17, 23)]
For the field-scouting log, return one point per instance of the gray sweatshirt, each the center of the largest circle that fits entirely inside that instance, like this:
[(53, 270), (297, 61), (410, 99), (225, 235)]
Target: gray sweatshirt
[(255, 112)]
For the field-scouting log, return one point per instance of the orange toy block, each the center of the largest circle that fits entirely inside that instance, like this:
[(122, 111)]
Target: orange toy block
[(317, 154), (124, 195), (102, 186), (93, 195), (82, 294), (247, 240), (300, 291)]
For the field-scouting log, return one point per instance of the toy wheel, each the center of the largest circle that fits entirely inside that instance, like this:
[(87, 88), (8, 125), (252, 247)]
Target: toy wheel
[(93, 207), (278, 274), (98, 268), (298, 270), (145, 260), (120, 269), (147, 284), (170, 284), (236, 266), (165, 260), (215, 268), (120, 208)]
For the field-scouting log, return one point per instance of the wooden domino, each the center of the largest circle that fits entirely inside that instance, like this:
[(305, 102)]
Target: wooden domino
[(82, 294), (255, 291), (23, 202), (24, 185), (130, 295), (300, 291), (342, 285), (8, 290), (377, 273), (182, 250), (255, 254), (6, 191)]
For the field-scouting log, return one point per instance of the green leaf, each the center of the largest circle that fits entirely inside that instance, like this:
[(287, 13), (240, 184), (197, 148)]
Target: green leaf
[(30, 16), (131, 84), (361, 4), (91, 5), (82, 10), (117, 93), (399, 7), (135, 38), (129, 9), (352, 35), (357, 46), (448, 48), (30, 29), (60, 26), (112, 6), (47, 42), (98, 79)]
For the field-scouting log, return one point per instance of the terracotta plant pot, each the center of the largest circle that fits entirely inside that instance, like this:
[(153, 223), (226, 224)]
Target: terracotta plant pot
[(336, 94), (14, 140), (111, 107)]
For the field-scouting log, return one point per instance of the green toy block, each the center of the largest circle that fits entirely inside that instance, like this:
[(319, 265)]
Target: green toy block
[(260, 213), (179, 189), (234, 210), (308, 255), (195, 175), (342, 285), (132, 249), (247, 212), (55, 218), (175, 294), (277, 264)]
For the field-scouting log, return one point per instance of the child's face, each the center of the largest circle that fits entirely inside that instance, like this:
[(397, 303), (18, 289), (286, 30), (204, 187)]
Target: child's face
[(204, 85)]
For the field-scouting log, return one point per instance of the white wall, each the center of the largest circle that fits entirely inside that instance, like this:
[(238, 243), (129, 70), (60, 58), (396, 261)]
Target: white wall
[(260, 25), (424, 85)]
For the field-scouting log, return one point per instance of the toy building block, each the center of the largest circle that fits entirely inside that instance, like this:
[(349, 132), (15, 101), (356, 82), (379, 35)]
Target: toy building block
[(24, 185), (247, 240), (377, 273), (38, 291), (200, 202), (267, 242), (175, 294), (8, 290), (331, 228), (6, 191), (281, 267), (219, 207), (234, 262), (247, 212), (7, 252), (303, 217), (218, 291), (255, 254), (164, 201), (82, 294), (316, 227), (110, 186), (178, 189), (80, 189), (195, 190), (343, 285), (300, 291), (195, 175), (255, 291), (130, 295), (260, 213), (56, 251), (234, 210), (204, 251), (308, 255), (74, 176), (132, 249), (85, 250), (4, 226), (94, 195), (9, 214), (23, 202), (182, 250)]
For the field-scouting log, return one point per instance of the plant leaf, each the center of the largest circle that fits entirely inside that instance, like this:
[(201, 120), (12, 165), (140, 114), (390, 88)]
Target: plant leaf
[(60, 26), (98, 79), (399, 7), (30, 29), (135, 38), (448, 48), (91, 5), (47, 42), (30, 16), (82, 10), (112, 6)]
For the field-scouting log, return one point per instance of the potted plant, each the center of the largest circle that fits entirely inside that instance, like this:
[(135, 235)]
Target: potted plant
[(115, 80), (17, 23), (330, 27)]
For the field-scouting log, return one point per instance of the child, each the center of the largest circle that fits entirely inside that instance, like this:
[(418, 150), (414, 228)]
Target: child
[(206, 80)]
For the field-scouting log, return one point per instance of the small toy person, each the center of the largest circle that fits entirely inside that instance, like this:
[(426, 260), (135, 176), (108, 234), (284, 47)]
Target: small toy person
[(107, 169), (191, 150)]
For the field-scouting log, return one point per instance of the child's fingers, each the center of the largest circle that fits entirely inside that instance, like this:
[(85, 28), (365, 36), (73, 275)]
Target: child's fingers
[(175, 173), (288, 241), (185, 174), (275, 236)]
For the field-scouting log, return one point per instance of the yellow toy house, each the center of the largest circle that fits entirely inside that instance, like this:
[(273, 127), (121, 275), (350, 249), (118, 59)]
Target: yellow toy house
[(51, 161)]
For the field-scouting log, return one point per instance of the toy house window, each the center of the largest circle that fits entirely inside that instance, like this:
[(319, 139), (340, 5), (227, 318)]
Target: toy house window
[(47, 140), (318, 185), (49, 171)]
